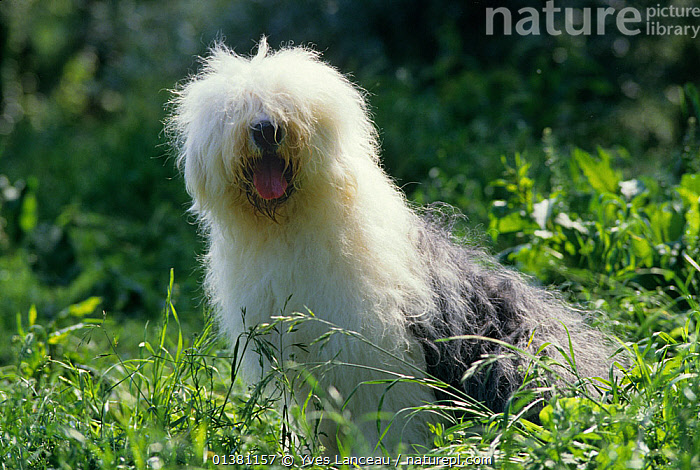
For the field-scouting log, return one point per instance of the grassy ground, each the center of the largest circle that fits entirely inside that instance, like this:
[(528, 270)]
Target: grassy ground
[(72, 396)]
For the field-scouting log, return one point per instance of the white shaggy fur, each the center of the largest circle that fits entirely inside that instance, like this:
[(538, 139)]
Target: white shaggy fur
[(341, 241)]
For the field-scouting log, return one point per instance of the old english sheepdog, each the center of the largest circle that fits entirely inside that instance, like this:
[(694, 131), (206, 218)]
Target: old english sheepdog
[(281, 159)]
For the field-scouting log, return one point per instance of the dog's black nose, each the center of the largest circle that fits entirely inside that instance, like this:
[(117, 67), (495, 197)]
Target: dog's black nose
[(267, 136)]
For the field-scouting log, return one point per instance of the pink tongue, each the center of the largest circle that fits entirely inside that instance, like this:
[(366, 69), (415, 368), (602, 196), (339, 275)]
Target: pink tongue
[(268, 177)]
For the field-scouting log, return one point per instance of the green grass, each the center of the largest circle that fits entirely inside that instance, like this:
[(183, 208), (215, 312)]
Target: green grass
[(73, 397), (67, 405)]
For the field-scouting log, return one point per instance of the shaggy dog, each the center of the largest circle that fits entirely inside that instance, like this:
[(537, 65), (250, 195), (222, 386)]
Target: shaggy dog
[(281, 159)]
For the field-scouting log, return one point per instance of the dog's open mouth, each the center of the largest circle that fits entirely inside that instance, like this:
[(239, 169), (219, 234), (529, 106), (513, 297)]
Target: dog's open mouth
[(270, 177)]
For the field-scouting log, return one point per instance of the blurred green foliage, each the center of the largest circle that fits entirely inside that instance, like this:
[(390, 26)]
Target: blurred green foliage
[(92, 206)]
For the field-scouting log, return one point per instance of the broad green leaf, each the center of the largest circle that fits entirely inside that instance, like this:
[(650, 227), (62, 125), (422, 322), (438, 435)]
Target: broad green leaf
[(691, 182), (598, 172), (86, 307), (58, 336), (642, 250), (666, 224), (32, 315), (513, 222)]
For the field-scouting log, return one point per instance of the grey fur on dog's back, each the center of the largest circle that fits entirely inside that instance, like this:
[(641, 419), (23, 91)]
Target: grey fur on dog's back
[(474, 295)]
